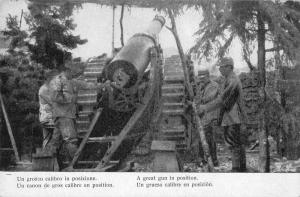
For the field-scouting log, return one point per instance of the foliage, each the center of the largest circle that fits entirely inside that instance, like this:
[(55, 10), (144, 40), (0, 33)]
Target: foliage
[(20, 80), (224, 20), (45, 46), (16, 35), (252, 22), (51, 35)]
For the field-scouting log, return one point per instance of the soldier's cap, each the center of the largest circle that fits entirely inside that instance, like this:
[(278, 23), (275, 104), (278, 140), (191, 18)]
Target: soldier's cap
[(203, 73), (49, 74), (76, 68), (225, 62)]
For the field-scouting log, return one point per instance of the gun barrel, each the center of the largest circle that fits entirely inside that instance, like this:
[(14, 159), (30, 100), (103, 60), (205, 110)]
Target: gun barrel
[(129, 64)]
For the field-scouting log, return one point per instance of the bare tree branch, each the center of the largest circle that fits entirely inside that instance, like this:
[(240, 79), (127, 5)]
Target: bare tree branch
[(121, 25), (274, 49)]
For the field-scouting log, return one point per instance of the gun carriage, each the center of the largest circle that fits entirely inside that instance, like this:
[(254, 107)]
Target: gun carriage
[(132, 102)]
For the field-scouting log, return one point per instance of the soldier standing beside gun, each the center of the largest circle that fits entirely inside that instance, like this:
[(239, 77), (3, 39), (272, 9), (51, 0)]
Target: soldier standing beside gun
[(230, 104), (64, 97), (206, 91), (46, 108)]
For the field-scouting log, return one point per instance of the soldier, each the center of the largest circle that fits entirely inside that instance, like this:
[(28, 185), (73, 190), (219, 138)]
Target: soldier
[(64, 97), (45, 111), (206, 91), (231, 114)]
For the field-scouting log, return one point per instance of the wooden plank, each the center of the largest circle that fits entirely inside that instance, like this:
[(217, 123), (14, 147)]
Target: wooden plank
[(203, 140), (11, 136), (101, 139), (158, 145), (85, 139), (0, 137), (6, 149), (104, 169), (165, 162), (164, 151), (24, 163), (94, 162)]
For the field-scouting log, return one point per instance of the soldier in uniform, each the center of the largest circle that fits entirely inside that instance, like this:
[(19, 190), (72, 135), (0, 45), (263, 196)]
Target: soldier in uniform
[(206, 91), (64, 98), (231, 113), (46, 107)]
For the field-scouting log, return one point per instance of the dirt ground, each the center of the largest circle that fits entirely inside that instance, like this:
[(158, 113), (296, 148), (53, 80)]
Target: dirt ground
[(144, 162), (278, 165)]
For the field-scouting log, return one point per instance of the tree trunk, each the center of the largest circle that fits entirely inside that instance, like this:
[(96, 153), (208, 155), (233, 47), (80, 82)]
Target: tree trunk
[(9, 129), (1, 138), (113, 32), (280, 73), (181, 53), (199, 126), (283, 94), (21, 17), (121, 25), (264, 155)]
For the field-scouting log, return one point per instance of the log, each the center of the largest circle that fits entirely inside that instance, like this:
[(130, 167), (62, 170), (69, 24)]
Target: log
[(11, 136), (190, 91)]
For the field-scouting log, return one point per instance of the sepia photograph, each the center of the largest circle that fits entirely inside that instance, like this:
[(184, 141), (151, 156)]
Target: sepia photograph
[(163, 92)]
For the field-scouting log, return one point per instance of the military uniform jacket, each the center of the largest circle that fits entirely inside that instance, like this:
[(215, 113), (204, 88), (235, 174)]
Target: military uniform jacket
[(204, 95), (45, 111), (70, 89), (229, 101)]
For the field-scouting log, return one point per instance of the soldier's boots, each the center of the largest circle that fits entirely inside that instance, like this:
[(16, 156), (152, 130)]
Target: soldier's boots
[(67, 155), (72, 148)]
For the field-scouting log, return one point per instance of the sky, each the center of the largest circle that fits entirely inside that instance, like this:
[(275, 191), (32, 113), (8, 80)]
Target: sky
[(94, 22)]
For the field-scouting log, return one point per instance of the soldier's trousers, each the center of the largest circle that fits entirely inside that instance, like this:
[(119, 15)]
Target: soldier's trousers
[(47, 135), (210, 138), (235, 139), (64, 134)]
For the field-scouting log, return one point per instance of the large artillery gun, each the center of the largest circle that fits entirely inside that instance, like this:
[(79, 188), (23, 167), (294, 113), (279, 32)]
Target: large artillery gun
[(133, 100), (127, 68)]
